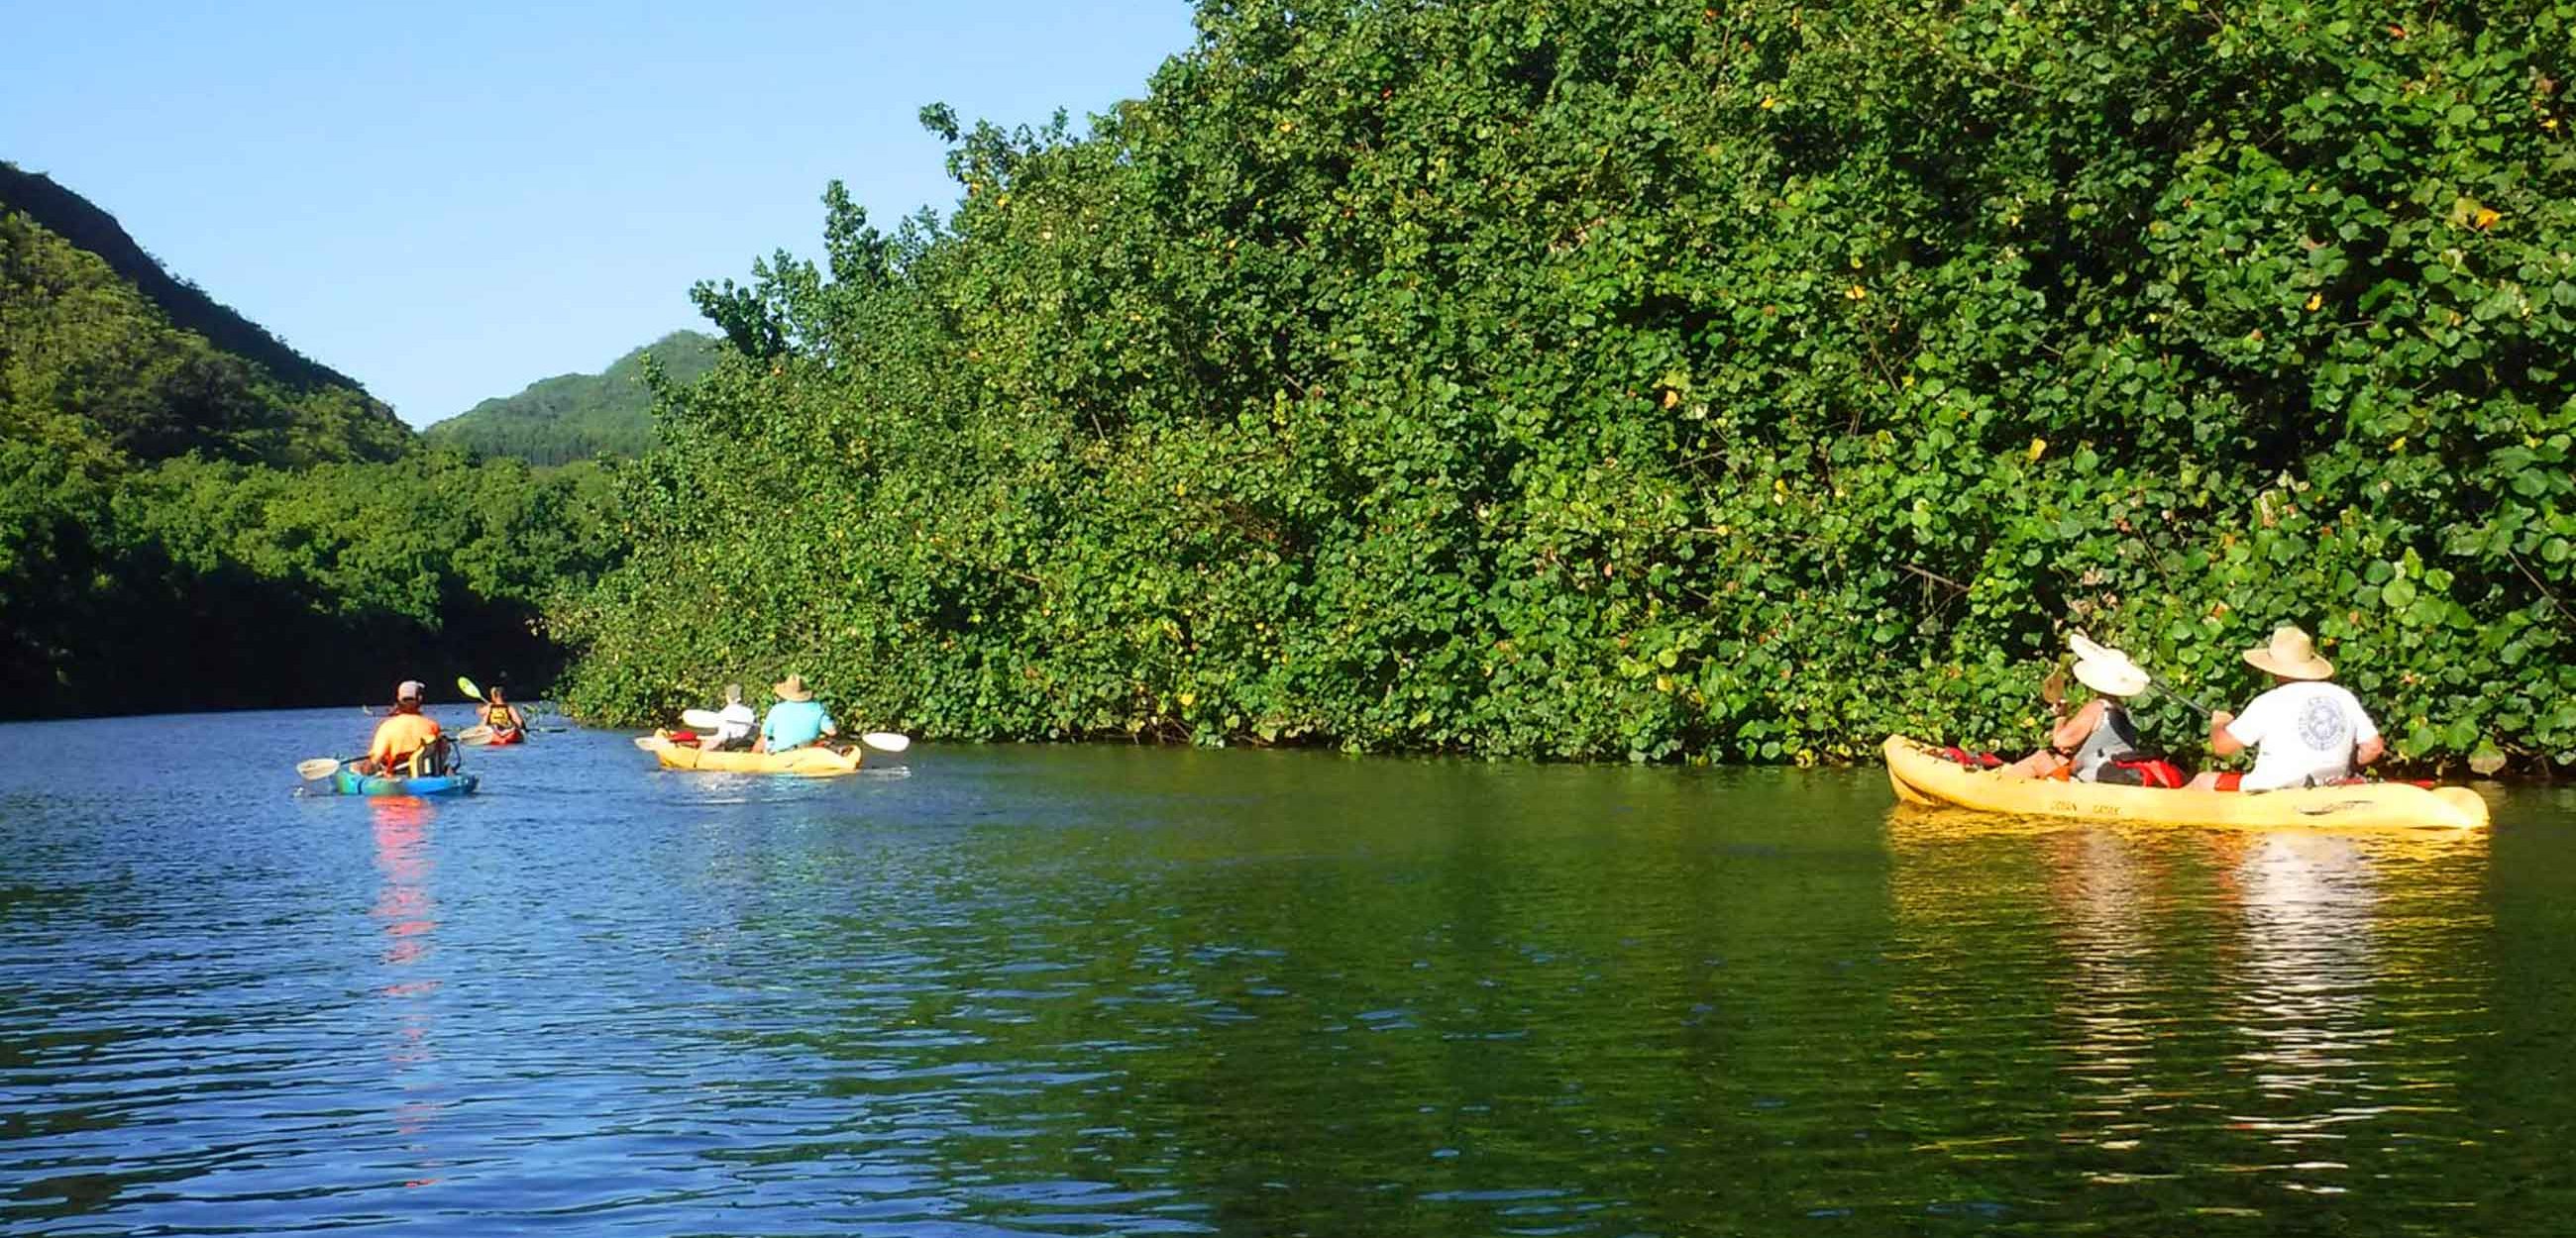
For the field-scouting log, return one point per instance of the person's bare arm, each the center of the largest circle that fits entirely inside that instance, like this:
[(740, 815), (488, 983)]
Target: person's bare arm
[(2369, 750), (2222, 742)]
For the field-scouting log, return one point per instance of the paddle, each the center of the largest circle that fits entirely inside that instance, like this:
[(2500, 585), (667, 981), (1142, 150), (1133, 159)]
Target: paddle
[(886, 741), (318, 768), (701, 719), (477, 735), (2087, 648), (468, 687)]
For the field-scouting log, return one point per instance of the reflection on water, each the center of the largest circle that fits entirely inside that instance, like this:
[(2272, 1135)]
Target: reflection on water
[(1129, 991), (408, 915), (2255, 1017)]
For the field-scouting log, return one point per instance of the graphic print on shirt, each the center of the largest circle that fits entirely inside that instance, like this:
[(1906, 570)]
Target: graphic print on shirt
[(2321, 725)]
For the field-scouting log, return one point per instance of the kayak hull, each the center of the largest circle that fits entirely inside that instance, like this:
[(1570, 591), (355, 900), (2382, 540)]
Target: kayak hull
[(347, 783), (1923, 775), (801, 763)]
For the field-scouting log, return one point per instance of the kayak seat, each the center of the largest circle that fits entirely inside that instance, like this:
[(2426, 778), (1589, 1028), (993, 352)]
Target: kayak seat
[(2142, 772)]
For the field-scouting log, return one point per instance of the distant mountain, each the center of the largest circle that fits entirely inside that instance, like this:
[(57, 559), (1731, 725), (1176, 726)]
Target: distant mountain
[(578, 416), (101, 347)]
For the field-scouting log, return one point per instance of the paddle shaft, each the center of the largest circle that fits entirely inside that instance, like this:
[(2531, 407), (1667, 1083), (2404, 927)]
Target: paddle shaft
[(2167, 689)]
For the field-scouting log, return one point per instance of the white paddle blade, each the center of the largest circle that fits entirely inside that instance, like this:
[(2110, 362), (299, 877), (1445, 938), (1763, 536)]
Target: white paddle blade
[(652, 743), (701, 719), (317, 769), (886, 741), (2092, 650)]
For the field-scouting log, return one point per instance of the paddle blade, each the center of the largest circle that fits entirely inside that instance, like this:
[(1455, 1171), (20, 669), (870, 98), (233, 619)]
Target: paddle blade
[(2092, 650), (476, 735), (467, 687), (652, 743), (702, 719), (886, 741), (317, 769)]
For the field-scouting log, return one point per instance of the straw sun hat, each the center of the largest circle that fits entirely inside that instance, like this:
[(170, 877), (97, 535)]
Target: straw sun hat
[(792, 688), (2290, 655)]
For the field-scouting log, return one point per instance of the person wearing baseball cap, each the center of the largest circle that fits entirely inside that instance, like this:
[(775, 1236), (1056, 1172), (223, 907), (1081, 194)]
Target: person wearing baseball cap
[(408, 743), (2304, 732)]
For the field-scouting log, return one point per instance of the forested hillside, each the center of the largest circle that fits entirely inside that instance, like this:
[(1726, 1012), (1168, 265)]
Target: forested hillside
[(187, 526), (1737, 382), (579, 416), (87, 354), (76, 220)]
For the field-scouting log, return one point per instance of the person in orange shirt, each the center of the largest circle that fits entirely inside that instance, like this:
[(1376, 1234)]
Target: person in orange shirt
[(408, 733)]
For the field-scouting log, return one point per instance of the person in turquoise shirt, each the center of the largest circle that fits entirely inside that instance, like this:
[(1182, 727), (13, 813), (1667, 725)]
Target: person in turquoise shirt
[(795, 721)]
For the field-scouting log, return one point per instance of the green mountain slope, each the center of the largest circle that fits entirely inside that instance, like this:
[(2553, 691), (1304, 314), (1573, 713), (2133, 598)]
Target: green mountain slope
[(578, 416), (193, 516), (100, 346)]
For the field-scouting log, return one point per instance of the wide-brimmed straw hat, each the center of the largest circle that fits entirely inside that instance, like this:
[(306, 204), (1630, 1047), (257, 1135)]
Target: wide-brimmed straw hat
[(792, 688), (2111, 676), (2290, 655)]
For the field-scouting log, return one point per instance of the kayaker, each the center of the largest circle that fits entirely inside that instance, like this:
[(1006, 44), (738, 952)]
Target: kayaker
[(507, 723), (734, 723), (408, 744), (2304, 731), (795, 721), (2088, 744)]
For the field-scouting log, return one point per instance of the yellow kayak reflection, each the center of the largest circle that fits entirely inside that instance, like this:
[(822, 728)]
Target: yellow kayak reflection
[(2206, 1004)]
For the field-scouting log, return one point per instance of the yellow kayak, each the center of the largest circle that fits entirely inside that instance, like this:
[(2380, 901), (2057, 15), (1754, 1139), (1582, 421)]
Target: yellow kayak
[(802, 762), (1923, 775)]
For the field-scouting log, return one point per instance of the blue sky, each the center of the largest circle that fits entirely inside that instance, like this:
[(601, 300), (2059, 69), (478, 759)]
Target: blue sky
[(450, 202)]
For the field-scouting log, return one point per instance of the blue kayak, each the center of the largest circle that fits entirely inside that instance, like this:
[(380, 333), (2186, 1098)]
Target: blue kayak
[(346, 783)]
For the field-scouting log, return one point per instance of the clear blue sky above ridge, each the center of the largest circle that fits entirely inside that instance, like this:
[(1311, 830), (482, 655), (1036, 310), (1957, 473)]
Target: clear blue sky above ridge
[(448, 203)]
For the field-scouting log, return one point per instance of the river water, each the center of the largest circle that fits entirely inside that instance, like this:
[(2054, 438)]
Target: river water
[(1106, 990)]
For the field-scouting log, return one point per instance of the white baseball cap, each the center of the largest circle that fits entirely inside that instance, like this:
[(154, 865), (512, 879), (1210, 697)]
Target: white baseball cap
[(410, 690)]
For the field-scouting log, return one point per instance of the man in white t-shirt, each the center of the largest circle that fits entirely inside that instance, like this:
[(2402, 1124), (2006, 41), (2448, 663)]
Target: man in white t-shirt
[(735, 723), (2305, 732)]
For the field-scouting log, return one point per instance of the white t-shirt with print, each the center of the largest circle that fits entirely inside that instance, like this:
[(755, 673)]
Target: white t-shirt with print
[(735, 723), (2301, 732)]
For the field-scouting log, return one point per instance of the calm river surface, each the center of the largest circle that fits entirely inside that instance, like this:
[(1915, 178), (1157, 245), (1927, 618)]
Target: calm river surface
[(1102, 990)]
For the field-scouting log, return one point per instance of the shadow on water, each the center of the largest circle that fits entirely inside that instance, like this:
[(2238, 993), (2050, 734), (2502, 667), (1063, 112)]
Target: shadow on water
[(1110, 990)]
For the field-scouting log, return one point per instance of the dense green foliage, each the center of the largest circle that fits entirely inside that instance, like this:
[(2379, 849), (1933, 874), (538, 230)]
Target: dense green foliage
[(84, 354), (1731, 382), (181, 527), (579, 416), (77, 220), (200, 584)]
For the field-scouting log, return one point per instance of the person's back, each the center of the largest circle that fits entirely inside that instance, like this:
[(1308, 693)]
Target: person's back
[(2303, 733), (734, 724), (404, 734), (792, 724), (2113, 738)]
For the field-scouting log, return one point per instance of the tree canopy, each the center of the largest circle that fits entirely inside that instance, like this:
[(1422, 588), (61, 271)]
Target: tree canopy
[(185, 526), (1635, 379)]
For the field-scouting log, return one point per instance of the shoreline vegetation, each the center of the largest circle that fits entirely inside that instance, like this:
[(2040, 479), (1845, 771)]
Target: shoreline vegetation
[(1628, 380), (1619, 381)]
